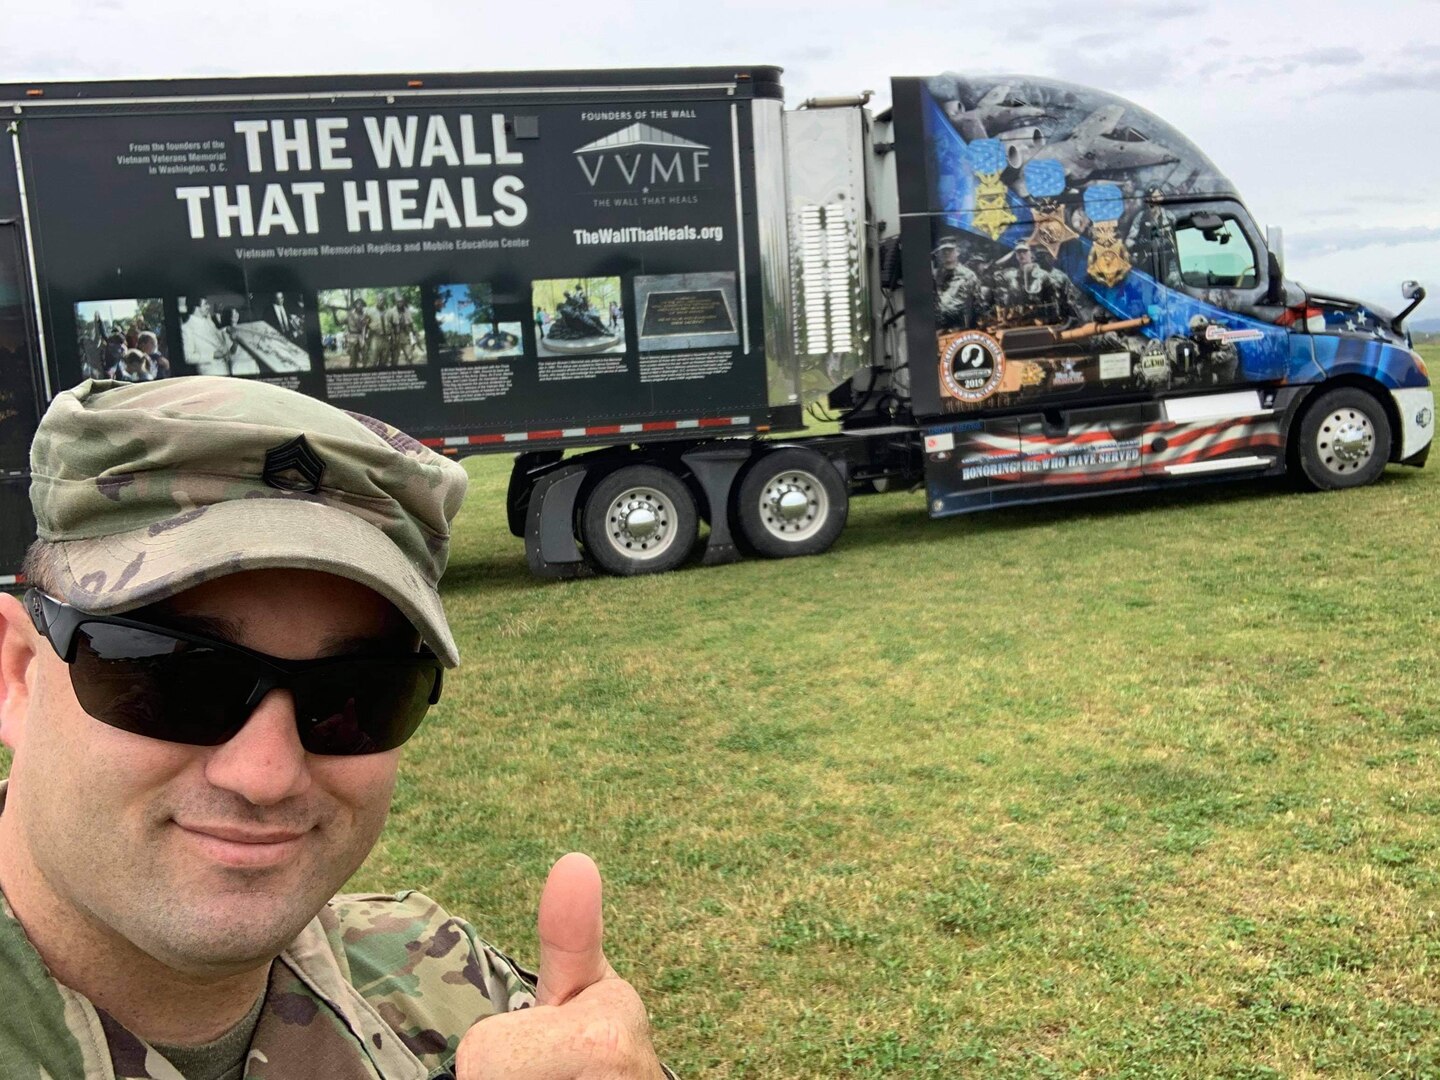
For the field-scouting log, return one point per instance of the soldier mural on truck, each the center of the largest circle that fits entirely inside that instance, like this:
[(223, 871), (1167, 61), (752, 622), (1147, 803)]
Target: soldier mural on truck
[(1060, 208)]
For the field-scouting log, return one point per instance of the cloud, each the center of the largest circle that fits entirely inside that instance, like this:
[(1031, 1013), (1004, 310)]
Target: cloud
[(1332, 56), (1333, 240), (1139, 69), (1389, 82), (1049, 20), (1269, 70), (1286, 64)]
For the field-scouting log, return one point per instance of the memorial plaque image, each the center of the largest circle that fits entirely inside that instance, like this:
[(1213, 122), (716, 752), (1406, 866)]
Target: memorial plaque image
[(684, 311)]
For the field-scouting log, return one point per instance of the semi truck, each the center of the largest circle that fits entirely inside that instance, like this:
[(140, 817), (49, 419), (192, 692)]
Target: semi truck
[(638, 283)]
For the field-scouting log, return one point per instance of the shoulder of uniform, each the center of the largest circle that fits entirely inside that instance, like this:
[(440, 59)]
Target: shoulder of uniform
[(409, 936)]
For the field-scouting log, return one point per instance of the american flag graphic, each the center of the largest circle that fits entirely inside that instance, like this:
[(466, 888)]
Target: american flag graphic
[(1110, 453)]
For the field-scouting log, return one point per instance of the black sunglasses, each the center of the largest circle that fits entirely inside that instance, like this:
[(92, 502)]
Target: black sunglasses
[(166, 684)]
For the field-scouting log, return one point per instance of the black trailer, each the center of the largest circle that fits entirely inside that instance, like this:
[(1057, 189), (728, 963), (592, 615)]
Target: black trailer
[(524, 263)]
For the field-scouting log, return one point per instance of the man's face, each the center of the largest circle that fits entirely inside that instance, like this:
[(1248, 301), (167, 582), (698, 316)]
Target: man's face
[(209, 858)]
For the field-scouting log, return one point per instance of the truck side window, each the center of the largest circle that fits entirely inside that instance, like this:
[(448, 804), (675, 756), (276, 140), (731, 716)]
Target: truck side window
[(1215, 256)]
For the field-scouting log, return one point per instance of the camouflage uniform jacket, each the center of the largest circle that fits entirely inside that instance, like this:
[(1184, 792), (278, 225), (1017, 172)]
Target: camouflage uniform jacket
[(376, 988)]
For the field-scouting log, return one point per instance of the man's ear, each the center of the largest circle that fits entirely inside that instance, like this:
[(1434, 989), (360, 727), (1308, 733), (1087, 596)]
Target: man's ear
[(19, 659)]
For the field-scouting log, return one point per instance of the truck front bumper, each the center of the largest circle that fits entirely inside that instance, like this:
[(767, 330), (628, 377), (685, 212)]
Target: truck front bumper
[(1417, 421)]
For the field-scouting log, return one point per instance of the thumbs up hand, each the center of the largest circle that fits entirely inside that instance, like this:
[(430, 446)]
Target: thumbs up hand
[(587, 1023)]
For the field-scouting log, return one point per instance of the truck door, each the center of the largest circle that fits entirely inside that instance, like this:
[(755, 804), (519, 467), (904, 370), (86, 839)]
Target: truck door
[(19, 407), (1216, 334)]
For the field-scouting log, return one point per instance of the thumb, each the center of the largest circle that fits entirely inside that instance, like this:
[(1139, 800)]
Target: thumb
[(571, 925)]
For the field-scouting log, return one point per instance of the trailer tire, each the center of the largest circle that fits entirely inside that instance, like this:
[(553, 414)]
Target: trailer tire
[(1344, 439), (791, 502), (639, 519)]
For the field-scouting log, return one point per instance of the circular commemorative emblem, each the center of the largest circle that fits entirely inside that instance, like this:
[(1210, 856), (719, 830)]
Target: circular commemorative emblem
[(971, 366)]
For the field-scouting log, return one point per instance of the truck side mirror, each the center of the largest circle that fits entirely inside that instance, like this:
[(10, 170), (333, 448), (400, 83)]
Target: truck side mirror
[(1414, 292), (1275, 287)]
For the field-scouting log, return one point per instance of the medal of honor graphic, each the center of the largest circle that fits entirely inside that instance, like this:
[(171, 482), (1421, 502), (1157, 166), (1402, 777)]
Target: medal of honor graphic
[(1109, 261), (972, 365), (992, 208), (1045, 182)]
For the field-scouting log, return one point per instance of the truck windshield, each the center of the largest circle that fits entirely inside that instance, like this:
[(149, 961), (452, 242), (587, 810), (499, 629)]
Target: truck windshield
[(1215, 258)]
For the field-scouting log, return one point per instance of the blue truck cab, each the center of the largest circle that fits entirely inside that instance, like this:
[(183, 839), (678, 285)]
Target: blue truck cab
[(1090, 307)]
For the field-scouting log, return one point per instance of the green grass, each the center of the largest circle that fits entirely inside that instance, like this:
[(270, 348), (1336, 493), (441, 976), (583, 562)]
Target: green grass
[(1138, 787), (1131, 787)]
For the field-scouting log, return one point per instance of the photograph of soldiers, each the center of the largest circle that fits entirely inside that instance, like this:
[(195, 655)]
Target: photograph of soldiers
[(227, 334), (579, 315), (371, 328), (106, 330)]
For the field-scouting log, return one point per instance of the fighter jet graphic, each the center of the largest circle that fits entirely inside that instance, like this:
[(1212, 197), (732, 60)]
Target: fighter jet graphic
[(1001, 109), (1100, 144)]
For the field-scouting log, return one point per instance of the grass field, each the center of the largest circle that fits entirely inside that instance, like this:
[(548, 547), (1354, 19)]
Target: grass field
[(1138, 787), (1134, 787)]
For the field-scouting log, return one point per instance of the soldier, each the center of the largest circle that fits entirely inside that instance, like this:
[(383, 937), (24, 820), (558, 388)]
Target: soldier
[(1042, 293), (396, 330), (379, 336), (1219, 358), (1151, 240), (959, 295), (357, 333), (401, 334), (232, 627)]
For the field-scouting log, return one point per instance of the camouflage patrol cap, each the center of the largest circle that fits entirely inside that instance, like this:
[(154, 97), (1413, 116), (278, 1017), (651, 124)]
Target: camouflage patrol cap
[(148, 489)]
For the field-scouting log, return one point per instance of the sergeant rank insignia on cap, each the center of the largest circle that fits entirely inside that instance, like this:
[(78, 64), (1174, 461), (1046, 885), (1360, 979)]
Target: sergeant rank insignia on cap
[(293, 466)]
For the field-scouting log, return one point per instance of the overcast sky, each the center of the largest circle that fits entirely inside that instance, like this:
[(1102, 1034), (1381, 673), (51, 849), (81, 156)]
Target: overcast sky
[(1323, 113)]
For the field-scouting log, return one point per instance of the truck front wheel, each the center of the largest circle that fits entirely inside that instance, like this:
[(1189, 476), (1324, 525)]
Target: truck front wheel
[(639, 520), (791, 502), (1344, 439)]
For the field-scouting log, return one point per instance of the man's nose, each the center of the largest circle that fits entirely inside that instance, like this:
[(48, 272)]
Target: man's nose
[(264, 762)]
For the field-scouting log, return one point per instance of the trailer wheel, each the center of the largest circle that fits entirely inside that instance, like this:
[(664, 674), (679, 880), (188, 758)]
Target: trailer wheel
[(639, 520), (1344, 439), (791, 502)]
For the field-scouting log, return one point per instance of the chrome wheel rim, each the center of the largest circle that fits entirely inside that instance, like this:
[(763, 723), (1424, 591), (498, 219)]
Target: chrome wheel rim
[(794, 506), (1345, 441), (640, 523)]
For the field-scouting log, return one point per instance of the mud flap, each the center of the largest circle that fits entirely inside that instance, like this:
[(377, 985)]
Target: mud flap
[(550, 546), (715, 467)]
